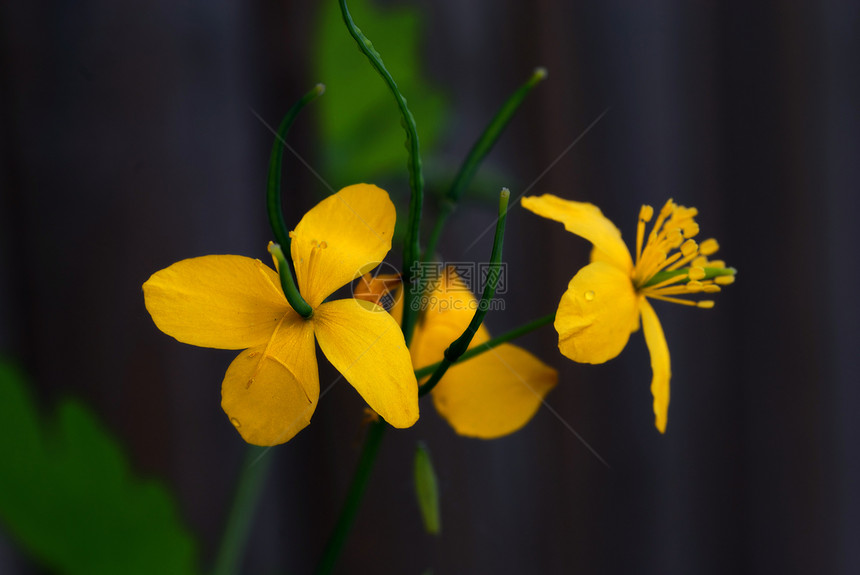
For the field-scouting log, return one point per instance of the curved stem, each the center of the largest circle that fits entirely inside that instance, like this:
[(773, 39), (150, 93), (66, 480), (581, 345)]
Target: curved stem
[(411, 246), (487, 346), (273, 203), (459, 346), (476, 155), (375, 433), (250, 486)]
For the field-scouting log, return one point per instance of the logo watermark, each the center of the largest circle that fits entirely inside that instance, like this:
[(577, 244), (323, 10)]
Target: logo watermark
[(472, 275), (449, 286)]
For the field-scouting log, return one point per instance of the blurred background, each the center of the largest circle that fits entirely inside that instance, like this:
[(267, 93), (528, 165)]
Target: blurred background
[(136, 134)]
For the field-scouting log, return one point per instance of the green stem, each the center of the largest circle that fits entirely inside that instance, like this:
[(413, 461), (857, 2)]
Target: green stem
[(476, 155), (487, 346), (459, 346), (273, 203), (291, 292), (411, 245), (250, 486), (375, 433)]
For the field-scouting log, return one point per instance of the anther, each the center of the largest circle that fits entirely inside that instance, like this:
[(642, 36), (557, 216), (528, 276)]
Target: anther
[(708, 247), (696, 273), (694, 286), (668, 208), (711, 288), (691, 229), (705, 304), (689, 247), (724, 280), (646, 213)]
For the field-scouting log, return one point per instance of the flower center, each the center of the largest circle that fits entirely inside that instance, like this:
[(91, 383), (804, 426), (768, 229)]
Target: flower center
[(672, 263)]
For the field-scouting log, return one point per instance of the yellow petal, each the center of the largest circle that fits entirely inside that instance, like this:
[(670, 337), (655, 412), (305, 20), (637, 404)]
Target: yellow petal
[(341, 238), (587, 221), (596, 314), (495, 393), (448, 309), (226, 302), (661, 370), (366, 345), (271, 390)]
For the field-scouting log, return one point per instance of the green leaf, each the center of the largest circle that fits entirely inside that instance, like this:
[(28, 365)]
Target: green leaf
[(68, 498), (427, 490), (362, 139)]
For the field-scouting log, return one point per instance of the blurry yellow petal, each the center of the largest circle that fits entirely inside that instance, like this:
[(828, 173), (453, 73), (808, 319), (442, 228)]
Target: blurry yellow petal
[(449, 301), (660, 367), (366, 345), (341, 238), (587, 221), (432, 339), (271, 390), (495, 393), (448, 309), (226, 302), (596, 314)]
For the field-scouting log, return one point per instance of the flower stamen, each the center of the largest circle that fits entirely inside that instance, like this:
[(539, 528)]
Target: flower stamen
[(669, 249), (645, 215)]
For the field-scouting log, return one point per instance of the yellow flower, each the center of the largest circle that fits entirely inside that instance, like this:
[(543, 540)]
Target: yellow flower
[(488, 396), (605, 299), (271, 389)]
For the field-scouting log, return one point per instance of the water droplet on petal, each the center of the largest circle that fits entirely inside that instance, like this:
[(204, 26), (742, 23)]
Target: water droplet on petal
[(236, 423), (589, 295), (252, 354), (323, 244)]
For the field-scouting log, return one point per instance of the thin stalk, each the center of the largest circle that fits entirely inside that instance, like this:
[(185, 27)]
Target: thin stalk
[(412, 243), (273, 203), (372, 441), (487, 346), (476, 155), (247, 496), (459, 346)]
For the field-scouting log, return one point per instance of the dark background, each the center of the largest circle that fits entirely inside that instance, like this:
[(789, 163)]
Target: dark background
[(129, 142)]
